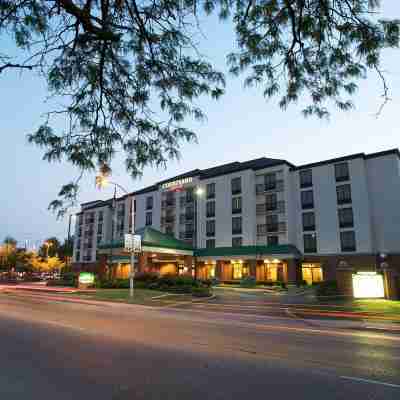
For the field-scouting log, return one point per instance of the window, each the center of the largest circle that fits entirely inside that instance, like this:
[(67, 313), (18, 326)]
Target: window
[(236, 241), (99, 239), (210, 209), (272, 240), (306, 178), (307, 199), (270, 181), (149, 203), (342, 172), (189, 196), (346, 217), (308, 221), (210, 190), (182, 201), (99, 229), (149, 218), (348, 241), (236, 184), (343, 193), (236, 205), (210, 243), (78, 256), (239, 270), (210, 227), (272, 223), (310, 243), (271, 202), (236, 225), (100, 216), (169, 230), (261, 229)]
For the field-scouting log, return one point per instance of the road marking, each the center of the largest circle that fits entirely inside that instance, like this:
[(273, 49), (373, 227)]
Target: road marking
[(61, 324), (352, 378)]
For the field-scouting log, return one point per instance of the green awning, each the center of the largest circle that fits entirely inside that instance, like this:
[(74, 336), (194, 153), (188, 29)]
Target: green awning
[(248, 250), (153, 238)]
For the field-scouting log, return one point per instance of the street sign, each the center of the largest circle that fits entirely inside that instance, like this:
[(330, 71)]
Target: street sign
[(133, 243)]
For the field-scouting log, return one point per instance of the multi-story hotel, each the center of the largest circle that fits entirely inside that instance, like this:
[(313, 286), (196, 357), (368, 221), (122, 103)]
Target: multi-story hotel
[(265, 217)]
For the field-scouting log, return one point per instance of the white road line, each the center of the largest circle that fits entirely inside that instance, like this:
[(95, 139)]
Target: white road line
[(352, 378)]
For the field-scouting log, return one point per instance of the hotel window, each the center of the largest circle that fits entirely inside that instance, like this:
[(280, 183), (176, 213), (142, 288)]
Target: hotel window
[(210, 189), (270, 181), (346, 217), (272, 223), (310, 243), (308, 221), (210, 243), (182, 201), (307, 199), (236, 225), (210, 227), (236, 205), (343, 193), (210, 209), (236, 184), (237, 241), (99, 239), (271, 202), (189, 195), (99, 229), (78, 256), (261, 229), (306, 178), (348, 241), (169, 230), (239, 271), (342, 172), (272, 240), (149, 218), (149, 203), (100, 216)]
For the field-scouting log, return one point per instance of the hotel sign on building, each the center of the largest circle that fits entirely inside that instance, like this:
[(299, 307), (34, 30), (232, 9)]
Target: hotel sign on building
[(176, 184)]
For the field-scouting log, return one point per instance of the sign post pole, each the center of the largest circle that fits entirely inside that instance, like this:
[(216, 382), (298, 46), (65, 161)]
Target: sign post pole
[(131, 292)]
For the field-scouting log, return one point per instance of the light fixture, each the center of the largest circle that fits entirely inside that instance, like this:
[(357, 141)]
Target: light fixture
[(266, 261), (368, 285), (199, 191), (276, 261)]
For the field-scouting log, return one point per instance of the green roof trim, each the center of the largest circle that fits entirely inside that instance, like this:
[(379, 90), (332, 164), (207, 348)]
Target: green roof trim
[(152, 238), (247, 250)]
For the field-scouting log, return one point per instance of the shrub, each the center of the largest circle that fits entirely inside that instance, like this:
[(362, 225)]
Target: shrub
[(210, 282), (146, 277), (327, 288), (248, 282), (60, 282), (201, 291), (281, 284)]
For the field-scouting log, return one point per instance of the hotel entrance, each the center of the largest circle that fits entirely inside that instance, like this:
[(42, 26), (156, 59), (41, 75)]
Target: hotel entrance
[(311, 273)]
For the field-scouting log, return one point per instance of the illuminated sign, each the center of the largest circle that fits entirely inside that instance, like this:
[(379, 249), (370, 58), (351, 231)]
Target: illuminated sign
[(368, 285), (178, 182), (86, 278)]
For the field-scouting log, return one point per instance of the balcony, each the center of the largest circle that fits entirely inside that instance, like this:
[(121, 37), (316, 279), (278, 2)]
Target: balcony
[(189, 234), (189, 216), (266, 208), (276, 227), (276, 186)]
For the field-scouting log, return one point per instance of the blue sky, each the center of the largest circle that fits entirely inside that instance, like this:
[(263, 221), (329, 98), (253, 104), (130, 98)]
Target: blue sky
[(242, 125)]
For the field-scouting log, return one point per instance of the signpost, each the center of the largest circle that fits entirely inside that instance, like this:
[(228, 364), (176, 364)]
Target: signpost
[(133, 244)]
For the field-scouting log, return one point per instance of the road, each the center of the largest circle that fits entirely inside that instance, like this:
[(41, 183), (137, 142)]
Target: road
[(57, 350)]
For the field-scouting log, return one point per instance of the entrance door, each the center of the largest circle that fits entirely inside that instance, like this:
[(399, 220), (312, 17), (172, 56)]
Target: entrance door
[(311, 273)]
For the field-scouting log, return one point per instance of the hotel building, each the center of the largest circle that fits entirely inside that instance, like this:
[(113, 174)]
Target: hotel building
[(265, 217)]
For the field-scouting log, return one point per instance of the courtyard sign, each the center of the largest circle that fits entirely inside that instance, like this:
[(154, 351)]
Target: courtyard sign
[(86, 278), (176, 183)]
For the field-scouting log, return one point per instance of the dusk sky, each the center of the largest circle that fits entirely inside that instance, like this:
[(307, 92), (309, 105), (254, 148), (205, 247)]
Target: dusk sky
[(242, 125)]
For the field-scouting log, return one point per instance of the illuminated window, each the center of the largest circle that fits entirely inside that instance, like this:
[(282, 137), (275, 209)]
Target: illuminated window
[(311, 273), (368, 285), (239, 270)]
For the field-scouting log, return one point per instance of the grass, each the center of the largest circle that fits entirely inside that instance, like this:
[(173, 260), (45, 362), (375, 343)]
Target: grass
[(377, 305), (141, 296)]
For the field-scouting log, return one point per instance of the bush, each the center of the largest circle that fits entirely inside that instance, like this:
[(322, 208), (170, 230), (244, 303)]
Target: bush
[(210, 282), (60, 282), (327, 288), (281, 284), (147, 277), (201, 291), (248, 282), (180, 280)]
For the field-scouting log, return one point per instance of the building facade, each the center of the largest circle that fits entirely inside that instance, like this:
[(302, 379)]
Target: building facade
[(265, 217)]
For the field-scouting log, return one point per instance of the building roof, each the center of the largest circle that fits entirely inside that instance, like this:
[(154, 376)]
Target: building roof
[(349, 157), (248, 250)]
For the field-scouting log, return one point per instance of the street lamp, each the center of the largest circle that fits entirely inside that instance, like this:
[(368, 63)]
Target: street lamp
[(102, 181)]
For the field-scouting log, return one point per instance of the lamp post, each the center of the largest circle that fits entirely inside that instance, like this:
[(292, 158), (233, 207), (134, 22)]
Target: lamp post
[(103, 181)]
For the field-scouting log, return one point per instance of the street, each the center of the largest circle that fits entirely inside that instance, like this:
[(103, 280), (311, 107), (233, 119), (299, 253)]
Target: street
[(77, 351)]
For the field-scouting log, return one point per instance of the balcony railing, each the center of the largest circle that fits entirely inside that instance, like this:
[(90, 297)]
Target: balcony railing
[(266, 208), (189, 216), (276, 227), (278, 186)]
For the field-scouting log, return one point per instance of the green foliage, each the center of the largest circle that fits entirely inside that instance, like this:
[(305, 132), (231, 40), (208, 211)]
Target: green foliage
[(201, 291), (248, 282), (327, 288), (60, 282), (129, 74)]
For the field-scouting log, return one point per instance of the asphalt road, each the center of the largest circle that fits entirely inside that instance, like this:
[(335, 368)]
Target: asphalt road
[(54, 350)]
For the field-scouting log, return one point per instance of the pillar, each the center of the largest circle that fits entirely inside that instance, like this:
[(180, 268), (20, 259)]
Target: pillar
[(188, 262), (141, 265), (253, 268), (291, 266), (218, 270), (344, 277), (390, 283)]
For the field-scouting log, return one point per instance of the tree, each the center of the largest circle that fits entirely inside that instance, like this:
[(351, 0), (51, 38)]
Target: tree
[(129, 74), (50, 247)]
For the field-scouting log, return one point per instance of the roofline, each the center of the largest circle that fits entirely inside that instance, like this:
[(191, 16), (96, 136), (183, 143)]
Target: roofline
[(364, 156)]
